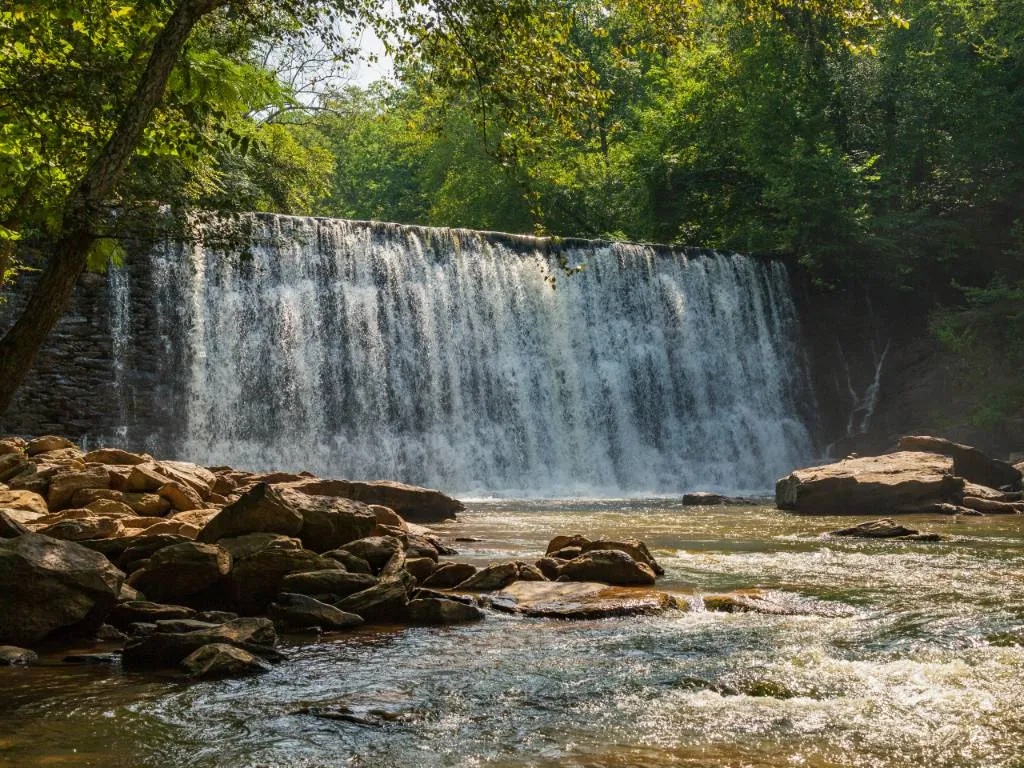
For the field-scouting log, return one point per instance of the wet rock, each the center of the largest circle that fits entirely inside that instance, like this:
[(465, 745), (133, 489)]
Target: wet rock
[(376, 550), (181, 570), (494, 576), (414, 504), (566, 553), (387, 516), (28, 501), (352, 563), (79, 529), (991, 506), (167, 649), (610, 566), (529, 572), (302, 611), (419, 567), (771, 603), (549, 567), (968, 463), (865, 485), (419, 546), (216, 617), (110, 634), (442, 611), (260, 510), (218, 660), (450, 575), (329, 582), (9, 526), (632, 547), (579, 600), (385, 602), (123, 615), (47, 443), (47, 584), (11, 655), (702, 499), (886, 528)]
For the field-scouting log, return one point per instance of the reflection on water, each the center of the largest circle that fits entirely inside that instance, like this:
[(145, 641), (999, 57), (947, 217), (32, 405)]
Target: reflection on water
[(924, 667)]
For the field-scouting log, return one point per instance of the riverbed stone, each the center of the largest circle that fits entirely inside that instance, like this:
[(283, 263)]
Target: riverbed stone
[(871, 484), (561, 542), (441, 611), (302, 611), (579, 600), (376, 550), (47, 584), (46, 443), (385, 602), (609, 566), (28, 501), (167, 649), (329, 523), (494, 576), (885, 528), (218, 660), (420, 567), (123, 615), (450, 575), (632, 547), (144, 546), (63, 485), (79, 529), (351, 563)]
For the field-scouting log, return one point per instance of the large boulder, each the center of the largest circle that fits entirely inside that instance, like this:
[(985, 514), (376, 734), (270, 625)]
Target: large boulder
[(48, 585), (181, 570), (891, 483), (81, 528), (494, 576), (302, 611), (579, 600), (609, 566), (415, 504), (632, 547), (63, 485), (260, 510), (47, 443), (327, 522), (968, 463), (450, 575), (385, 602)]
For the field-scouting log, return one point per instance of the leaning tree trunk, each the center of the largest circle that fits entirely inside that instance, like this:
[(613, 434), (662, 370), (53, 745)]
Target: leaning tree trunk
[(67, 261)]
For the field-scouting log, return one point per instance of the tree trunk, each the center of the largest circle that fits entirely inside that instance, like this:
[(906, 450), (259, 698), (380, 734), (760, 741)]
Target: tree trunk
[(21, 343)]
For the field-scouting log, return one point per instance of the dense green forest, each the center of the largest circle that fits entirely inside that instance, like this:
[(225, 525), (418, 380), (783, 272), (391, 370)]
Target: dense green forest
[(871, 141)]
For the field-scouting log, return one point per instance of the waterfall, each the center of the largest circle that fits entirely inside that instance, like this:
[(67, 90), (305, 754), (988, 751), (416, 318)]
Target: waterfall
[(445, 358)]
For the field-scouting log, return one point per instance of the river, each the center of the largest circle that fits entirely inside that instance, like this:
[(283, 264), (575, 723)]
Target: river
[(900, 654)]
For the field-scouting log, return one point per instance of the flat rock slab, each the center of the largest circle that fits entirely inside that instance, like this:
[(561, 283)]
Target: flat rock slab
[(579, 600), (888, 484)]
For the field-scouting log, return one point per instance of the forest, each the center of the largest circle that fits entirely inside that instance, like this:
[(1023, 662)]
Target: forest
[(869, 141)]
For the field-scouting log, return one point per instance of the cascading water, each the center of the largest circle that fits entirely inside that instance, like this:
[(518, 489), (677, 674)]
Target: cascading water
[(444, 358)]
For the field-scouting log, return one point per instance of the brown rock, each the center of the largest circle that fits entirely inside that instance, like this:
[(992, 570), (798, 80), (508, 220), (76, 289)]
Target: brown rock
[(579, 600), (376, 550), (64, 485), (9, 526), (561, 542), (328, 522), (217, 660), (632, 547), (24, 500), (420, 567), (441, 611), (494, 576), (196, 517), (387, 516), (84, 528), (113, 456), (181, 570), (47, 584), (146, 478), (450, 575), (610, 566), (110, 508), (869, 485), (142, 503), (968, 463), (302, 611), (329, 582), (261, 510), (385, 602), (47, 443), (415, 504), (182, 497)]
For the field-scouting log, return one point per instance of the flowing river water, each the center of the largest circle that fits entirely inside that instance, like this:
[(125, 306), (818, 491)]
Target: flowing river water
[(902, 654)]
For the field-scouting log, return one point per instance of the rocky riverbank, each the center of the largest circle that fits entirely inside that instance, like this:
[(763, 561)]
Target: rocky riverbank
[(200, 568), (923, 475)]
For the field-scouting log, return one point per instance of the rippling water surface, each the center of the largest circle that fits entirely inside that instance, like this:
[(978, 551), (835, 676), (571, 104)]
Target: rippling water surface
[(911, 654)]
